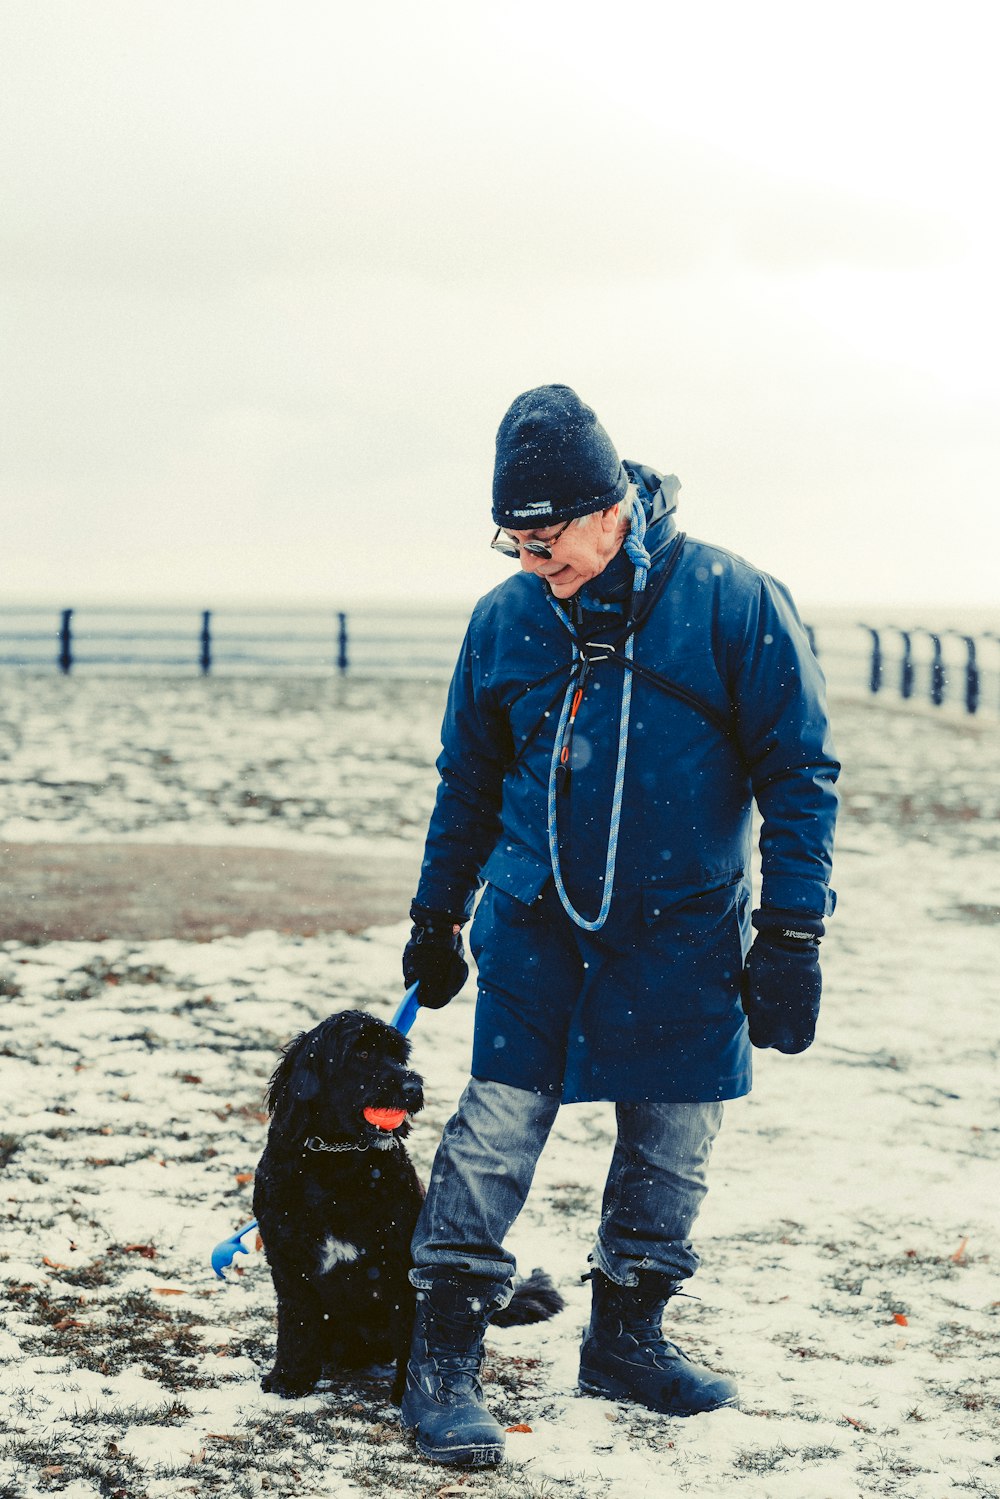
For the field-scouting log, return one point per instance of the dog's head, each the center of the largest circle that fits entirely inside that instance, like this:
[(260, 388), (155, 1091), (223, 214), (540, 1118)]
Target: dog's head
[(345, 1080)]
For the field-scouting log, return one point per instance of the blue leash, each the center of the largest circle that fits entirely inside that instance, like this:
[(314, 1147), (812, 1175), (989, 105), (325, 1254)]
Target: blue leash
[(635, 548), (225, 1252)]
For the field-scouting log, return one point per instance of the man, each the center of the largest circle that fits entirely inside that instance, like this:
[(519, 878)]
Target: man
[(616, 708)]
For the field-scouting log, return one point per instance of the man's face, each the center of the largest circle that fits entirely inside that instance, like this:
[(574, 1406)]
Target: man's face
[(582, 551)]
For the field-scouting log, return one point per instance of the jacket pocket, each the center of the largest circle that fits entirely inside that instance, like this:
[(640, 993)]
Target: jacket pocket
[(693, 905), (510, 906), (517, 872), (690, 957)]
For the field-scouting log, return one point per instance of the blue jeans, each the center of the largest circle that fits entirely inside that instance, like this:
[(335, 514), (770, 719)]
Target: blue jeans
[(486, 1160)]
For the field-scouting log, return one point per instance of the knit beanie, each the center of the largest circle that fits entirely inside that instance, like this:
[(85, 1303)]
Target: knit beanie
[(554, 461)]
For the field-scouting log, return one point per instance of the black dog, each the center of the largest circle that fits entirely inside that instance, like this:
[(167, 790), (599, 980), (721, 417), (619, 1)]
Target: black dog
[(337, 1199)]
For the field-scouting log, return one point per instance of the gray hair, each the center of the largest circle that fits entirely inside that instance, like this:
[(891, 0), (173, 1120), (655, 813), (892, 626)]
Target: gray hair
[(625, 506)]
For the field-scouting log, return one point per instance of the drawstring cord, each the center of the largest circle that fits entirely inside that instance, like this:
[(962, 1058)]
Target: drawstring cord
[(559, 767), (559, 764)]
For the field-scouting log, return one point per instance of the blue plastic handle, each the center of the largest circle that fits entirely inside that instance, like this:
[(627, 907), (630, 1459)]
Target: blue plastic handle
[(223, 1254), (407, 1012)]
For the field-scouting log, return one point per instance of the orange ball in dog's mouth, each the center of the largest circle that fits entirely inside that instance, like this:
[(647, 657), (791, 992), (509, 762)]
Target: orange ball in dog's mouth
[(385, 1118)]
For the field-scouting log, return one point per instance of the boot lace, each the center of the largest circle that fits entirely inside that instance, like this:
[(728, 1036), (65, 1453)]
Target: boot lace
[(644, 1324), (457, 1368)]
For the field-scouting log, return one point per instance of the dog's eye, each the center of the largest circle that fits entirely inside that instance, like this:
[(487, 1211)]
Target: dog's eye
[(363, 1056)]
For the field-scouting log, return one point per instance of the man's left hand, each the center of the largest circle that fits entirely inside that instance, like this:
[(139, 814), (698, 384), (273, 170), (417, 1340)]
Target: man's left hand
[(782, 983)]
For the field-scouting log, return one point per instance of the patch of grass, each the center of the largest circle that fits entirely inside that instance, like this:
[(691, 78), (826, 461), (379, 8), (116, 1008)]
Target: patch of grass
[(100, 1272), (256, 1342), (170, 1413), (382, 1474), (148, 1038), (960, 1336), (52, 1465), (969, 1397), (969, 910), (796, 1349), (986, 1488), (137, 1331), (24, 1403), (100, 972), (9, 1146), (6, 1050), (883, 1463), (762, 1459), (571, 1198), (933, 1266)]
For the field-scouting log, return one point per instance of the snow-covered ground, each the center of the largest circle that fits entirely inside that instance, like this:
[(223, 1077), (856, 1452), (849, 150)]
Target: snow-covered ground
[(849, 1240)]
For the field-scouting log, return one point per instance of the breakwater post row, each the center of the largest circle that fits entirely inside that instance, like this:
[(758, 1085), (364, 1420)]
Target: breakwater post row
[(957, 668), (939, 676), (140, 643)]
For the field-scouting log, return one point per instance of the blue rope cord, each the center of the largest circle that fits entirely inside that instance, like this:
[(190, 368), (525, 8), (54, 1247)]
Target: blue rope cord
[(636, 551), (635, 544)]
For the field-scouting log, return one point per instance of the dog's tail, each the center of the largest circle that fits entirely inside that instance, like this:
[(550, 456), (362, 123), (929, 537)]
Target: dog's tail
[(535, 1300)]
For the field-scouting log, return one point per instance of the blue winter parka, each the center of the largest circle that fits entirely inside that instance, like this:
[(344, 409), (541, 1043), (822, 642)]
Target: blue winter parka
[(647, 1007)]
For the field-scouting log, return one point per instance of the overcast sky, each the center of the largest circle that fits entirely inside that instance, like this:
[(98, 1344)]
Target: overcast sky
[(272, 272)]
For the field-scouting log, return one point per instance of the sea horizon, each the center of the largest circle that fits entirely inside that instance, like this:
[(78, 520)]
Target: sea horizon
[(973, 617)]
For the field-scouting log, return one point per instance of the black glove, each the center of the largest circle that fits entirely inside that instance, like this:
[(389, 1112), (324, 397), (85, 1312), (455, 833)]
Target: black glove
[(434, 957), (781, 981)]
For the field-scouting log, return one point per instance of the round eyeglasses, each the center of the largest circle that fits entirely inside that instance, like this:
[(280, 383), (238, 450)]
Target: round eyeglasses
[(508, 547)]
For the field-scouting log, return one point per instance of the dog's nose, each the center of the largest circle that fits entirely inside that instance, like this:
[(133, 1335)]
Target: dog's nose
[(413, 1093)]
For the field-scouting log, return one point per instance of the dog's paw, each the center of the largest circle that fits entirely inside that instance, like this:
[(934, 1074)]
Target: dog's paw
[(286, 1386)]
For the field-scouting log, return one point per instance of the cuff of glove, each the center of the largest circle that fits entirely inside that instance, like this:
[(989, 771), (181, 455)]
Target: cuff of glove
[(435, 923), (788, 926)]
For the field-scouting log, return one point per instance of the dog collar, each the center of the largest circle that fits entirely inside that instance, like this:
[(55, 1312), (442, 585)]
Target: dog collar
[(315, 1142)]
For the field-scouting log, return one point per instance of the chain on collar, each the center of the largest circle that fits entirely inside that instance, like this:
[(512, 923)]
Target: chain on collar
[(317, 1143)]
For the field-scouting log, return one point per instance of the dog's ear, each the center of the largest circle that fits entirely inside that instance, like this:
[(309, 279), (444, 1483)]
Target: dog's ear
[(294, 1084)]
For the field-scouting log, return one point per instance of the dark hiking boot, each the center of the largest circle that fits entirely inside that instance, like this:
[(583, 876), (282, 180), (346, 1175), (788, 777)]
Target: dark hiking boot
[(626, 1357), (443, 1401)]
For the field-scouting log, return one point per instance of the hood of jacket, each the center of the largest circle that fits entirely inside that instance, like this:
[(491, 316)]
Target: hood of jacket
[(658, 497)]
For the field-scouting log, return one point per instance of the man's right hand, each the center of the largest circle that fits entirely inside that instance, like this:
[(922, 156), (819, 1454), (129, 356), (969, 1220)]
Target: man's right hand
[(434, 957)]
